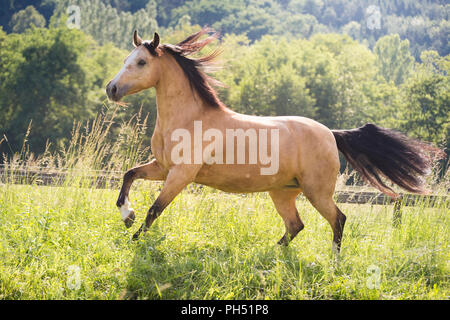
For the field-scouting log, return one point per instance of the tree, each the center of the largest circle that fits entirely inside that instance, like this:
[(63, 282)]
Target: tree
[(394, 58), (312, 7), (106, 24), (353, 29), (263, 78), (51, 77), (427, 101), (26, 18), (341, 76), (330, 78)]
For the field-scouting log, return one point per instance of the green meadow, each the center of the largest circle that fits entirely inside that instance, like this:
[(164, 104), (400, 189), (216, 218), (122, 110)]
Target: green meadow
[(68, 242)]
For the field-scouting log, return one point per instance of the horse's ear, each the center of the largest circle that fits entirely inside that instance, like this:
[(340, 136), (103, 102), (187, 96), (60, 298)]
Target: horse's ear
[(137, 41), (155, 40)]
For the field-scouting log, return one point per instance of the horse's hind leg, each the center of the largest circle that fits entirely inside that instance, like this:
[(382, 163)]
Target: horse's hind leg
[(284, 201), (324, 203), (149, 171)]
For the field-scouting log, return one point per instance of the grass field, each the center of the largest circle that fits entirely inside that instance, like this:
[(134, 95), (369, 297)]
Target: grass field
[(69, 243)]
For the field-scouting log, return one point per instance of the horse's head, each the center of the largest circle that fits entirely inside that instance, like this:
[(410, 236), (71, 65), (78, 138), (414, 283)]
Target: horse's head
[(140, 70)]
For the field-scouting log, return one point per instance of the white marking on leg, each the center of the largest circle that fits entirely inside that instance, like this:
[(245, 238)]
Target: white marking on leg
[(334, 248), (125, 209)]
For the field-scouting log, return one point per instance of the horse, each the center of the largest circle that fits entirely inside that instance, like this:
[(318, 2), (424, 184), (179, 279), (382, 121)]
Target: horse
[(306, 151)]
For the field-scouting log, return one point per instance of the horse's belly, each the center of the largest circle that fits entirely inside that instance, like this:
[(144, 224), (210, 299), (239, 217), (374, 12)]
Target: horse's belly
[(244, 178)]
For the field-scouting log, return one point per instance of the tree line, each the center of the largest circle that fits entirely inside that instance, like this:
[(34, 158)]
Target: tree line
[(424, 23)]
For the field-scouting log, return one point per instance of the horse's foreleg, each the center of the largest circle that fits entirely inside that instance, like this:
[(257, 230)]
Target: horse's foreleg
[(284, 201), (149, 171), (178, 178)]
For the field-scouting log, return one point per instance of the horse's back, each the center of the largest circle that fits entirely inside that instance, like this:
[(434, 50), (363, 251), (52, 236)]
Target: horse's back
[(314, 142), (298, 133)]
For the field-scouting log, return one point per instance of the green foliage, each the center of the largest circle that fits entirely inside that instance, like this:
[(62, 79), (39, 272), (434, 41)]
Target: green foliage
[(106, 24), (424, 23), (427, 101), (26, 18), (330, 78), (11, 7), (250, 17), (51, 77), (126, 5), (263, 81), (422, 32), (394, 58)]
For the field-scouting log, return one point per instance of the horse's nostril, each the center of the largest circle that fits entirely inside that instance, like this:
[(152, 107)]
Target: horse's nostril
[(114, 90)]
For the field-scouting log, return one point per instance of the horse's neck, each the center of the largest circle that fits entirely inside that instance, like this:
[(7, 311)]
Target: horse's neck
[(176, 103)]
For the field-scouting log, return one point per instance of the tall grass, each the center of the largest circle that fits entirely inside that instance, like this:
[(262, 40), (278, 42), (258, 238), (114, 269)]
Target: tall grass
[(100, 147), (66, 241), (212, 245)]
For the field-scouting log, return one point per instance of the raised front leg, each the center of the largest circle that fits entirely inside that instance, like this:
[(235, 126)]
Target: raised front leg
[(178, 178), (149, 171)]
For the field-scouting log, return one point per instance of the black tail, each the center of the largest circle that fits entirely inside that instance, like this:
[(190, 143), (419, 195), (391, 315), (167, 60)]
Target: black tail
[(374, 151)]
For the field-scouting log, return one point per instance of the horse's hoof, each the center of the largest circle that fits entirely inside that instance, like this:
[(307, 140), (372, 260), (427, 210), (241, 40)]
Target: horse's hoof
[(130, 219), (127, 213), (135, 236), (284, 242)]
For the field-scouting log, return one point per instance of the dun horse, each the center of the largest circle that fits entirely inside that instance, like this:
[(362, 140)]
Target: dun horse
[(306, 151)]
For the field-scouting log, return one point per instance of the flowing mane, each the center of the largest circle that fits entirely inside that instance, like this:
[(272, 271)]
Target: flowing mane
[(194, 68)]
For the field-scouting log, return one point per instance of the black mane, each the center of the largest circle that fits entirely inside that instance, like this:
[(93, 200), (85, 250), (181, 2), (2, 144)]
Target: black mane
[(192, 68)]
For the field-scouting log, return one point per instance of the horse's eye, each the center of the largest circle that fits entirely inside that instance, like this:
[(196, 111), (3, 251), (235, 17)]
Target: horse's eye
[(141, 62)]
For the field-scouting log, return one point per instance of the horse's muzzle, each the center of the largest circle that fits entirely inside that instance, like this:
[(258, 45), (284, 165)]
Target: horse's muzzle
[(113, 92)]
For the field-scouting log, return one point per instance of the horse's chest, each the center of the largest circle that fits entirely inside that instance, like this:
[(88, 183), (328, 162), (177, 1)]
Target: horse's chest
[(158, 147), (161, 150)]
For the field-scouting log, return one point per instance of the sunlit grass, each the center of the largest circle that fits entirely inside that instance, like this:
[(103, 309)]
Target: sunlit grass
[(211, 245)]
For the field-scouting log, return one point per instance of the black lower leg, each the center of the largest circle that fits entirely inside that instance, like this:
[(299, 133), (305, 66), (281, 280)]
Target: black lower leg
[(128, 179), (291, 232), (153, 213), (338, 229)]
